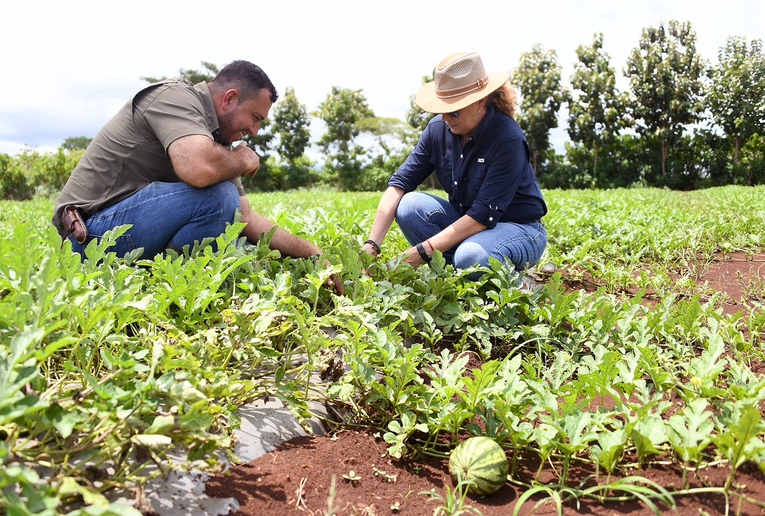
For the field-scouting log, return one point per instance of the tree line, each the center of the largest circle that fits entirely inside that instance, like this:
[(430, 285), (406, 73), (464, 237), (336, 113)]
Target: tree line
[(683, 123)]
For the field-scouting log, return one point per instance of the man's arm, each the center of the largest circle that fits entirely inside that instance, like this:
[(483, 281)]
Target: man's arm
[(201, 162), (286, 243)]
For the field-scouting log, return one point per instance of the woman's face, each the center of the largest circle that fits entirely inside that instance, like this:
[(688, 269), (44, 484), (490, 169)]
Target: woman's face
[(465, 121)]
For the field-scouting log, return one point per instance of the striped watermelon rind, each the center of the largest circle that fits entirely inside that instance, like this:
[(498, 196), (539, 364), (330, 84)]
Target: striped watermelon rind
[(479, 460)]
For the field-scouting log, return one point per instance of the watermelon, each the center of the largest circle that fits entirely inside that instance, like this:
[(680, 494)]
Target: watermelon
[(479, 460)]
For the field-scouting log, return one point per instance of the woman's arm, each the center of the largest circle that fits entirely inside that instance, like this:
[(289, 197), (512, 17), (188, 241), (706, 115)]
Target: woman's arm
[(451, 236), (386, 212)]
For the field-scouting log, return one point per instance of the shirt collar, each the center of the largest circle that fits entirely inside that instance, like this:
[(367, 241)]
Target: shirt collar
[(483, 127), (211, 118)]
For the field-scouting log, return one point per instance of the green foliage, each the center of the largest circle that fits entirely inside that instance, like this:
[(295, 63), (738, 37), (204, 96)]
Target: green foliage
[(753, 160), (416, 117), (736, 97), (665, 74), (76, 143), (291, 125), (342, 110), (453, 502), (33, 173), (122, 361), (14, 182), (539, 79), (596, 110), (391, 136), (209, 71)]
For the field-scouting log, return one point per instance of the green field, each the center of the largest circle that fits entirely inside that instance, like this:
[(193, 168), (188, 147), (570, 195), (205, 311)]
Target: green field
[(107, 365)]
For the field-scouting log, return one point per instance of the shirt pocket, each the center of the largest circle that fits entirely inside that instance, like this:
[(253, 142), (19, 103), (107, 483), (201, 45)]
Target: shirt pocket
[(445, 174), (475, 178)]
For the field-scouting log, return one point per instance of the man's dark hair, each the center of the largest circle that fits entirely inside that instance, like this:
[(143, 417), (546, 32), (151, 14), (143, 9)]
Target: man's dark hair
[(247, 78)]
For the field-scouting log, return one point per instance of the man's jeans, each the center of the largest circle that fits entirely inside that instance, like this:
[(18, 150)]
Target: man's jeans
[(421, 215), (166, 215)]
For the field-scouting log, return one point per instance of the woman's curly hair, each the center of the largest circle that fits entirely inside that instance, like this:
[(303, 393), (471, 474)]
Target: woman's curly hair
[(505, 99)]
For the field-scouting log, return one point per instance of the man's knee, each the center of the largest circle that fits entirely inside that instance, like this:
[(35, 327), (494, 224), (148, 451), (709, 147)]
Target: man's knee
[(227, 196)]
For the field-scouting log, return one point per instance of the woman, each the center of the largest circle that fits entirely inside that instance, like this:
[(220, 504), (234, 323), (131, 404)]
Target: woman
[(481, 158)]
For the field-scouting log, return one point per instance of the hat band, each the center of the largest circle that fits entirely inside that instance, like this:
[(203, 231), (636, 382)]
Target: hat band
[(479, 85)]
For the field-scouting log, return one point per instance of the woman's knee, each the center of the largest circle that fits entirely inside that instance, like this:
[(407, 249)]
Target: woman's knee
[(470, 253), (410, 204)]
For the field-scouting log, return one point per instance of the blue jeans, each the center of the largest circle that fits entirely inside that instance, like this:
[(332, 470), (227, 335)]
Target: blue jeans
[(421, 215), (166, 215)]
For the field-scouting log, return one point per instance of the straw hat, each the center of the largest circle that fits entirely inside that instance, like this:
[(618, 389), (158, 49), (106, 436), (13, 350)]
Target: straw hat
[(460, 80)]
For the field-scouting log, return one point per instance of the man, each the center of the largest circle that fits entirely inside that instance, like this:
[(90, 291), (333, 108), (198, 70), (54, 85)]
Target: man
[(165, 164)]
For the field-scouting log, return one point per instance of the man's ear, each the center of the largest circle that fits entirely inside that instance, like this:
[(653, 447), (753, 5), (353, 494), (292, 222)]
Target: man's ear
[(230, 99)]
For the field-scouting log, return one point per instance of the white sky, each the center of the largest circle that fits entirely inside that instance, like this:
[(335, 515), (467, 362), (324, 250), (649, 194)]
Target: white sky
[(70, 65)]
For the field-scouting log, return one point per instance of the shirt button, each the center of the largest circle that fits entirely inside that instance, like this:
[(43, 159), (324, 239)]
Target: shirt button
[(491, 218), (455, 182)]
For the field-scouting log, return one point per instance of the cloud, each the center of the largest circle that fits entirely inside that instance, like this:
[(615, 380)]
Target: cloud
[(74, 63)]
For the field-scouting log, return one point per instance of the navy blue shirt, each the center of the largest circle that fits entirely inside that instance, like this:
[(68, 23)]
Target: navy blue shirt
[(491, 179)]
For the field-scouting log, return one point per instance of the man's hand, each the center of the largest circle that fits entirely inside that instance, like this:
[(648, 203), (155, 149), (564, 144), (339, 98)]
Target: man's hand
[(250, 159), (337, 284)]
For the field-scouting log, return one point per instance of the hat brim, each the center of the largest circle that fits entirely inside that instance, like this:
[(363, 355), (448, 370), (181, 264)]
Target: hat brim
[(428, 100)]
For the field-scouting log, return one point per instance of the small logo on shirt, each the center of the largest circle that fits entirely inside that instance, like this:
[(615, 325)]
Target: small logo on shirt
[(480, 160)]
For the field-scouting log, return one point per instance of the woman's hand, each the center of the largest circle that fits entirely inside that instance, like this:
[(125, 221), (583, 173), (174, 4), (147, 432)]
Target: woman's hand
[(414, 256), (371, 247)]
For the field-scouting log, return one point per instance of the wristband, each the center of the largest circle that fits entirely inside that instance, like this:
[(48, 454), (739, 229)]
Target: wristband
[(422, 252), (431, 245), (374, 245)]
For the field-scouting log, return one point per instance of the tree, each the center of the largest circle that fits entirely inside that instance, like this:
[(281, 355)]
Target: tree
[(393, 137), (596, 107), (193, 76), (736, 96), (538, 77), (76, 142), (416, 117), (341, 111), (291, 124), (665, 78), (753, 159)]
